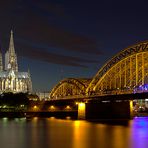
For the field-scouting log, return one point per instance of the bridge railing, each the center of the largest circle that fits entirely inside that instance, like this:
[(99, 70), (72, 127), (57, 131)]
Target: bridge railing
[(69, 97), (100, 93)]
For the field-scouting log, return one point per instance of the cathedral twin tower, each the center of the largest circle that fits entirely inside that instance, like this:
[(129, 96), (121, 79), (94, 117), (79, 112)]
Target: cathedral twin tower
[(11, 80)]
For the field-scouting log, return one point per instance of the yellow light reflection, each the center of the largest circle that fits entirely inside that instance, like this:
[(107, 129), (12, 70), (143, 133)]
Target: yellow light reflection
[(77, 123), (52, 118), (79, 134), (35, 118)]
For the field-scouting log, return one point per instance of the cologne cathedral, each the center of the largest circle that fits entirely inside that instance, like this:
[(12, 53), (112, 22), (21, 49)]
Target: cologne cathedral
[(11, 80)]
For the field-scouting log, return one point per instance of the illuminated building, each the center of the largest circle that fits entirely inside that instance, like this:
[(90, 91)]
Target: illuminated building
[(11, 80)]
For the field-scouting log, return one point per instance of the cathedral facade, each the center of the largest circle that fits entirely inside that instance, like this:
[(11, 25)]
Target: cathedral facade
[(11, 80)]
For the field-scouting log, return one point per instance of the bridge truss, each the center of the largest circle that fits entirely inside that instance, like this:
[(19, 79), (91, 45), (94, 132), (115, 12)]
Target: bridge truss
[(124, 72), (69, 87)]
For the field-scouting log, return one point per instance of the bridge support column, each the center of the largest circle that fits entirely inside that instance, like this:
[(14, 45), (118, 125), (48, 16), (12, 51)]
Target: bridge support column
[(131, 108), (81, 110)]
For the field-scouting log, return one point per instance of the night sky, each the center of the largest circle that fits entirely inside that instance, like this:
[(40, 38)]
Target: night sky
[(67, 38)]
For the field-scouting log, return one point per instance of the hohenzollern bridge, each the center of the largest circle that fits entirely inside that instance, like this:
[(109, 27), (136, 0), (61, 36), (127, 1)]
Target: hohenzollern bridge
[(113, 93), (125, 73)]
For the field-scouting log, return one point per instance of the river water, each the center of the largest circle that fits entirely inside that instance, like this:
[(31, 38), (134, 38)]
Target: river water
[(65, 133)]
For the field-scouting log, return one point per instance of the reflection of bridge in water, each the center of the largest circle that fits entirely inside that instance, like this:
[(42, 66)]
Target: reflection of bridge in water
[(125, 73)]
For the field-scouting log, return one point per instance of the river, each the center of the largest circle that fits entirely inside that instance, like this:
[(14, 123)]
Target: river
[(66, 133)]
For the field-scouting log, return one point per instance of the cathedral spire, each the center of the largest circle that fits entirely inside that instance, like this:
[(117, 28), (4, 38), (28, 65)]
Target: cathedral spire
[(10, 56), (11, 45)]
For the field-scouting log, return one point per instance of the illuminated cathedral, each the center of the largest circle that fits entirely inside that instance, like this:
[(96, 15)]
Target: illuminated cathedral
[(11, 80)]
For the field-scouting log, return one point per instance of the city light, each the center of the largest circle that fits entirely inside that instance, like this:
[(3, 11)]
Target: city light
[(141, 88), (22, 105)]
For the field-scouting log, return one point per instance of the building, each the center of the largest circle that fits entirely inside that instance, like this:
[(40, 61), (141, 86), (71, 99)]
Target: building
[(43, 95), (11, 80)]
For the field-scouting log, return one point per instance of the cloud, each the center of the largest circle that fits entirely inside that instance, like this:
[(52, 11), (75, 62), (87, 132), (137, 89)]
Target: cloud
[(49, 57), (38, 31)]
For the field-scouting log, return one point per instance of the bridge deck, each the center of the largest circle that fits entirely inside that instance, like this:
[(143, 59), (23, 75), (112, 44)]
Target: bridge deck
[(136, 96)]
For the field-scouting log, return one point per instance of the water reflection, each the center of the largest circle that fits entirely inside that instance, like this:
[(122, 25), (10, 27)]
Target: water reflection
[(87, 134), (139, 132), (57, 133), (79, 134)]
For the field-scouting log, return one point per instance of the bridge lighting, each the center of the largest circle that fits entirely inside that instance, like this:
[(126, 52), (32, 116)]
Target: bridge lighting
[(68, 107), (82, 105), (131, 107), (141, 88), (81, 110), (35, 107), (52, 107)]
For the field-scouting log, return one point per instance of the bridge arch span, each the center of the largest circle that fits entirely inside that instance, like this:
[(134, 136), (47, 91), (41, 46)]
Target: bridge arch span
[(69, 87), (125, 71)]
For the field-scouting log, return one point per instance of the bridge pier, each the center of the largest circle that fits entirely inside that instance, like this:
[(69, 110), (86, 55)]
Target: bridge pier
[(105, 110), (81, 110), (131, 108)]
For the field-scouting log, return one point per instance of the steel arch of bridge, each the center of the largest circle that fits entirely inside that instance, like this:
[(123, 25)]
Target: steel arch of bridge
[(67, 87), (125, 71)]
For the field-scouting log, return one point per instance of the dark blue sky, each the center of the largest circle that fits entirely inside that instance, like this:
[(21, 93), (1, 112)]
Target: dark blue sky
[(61, 39)]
